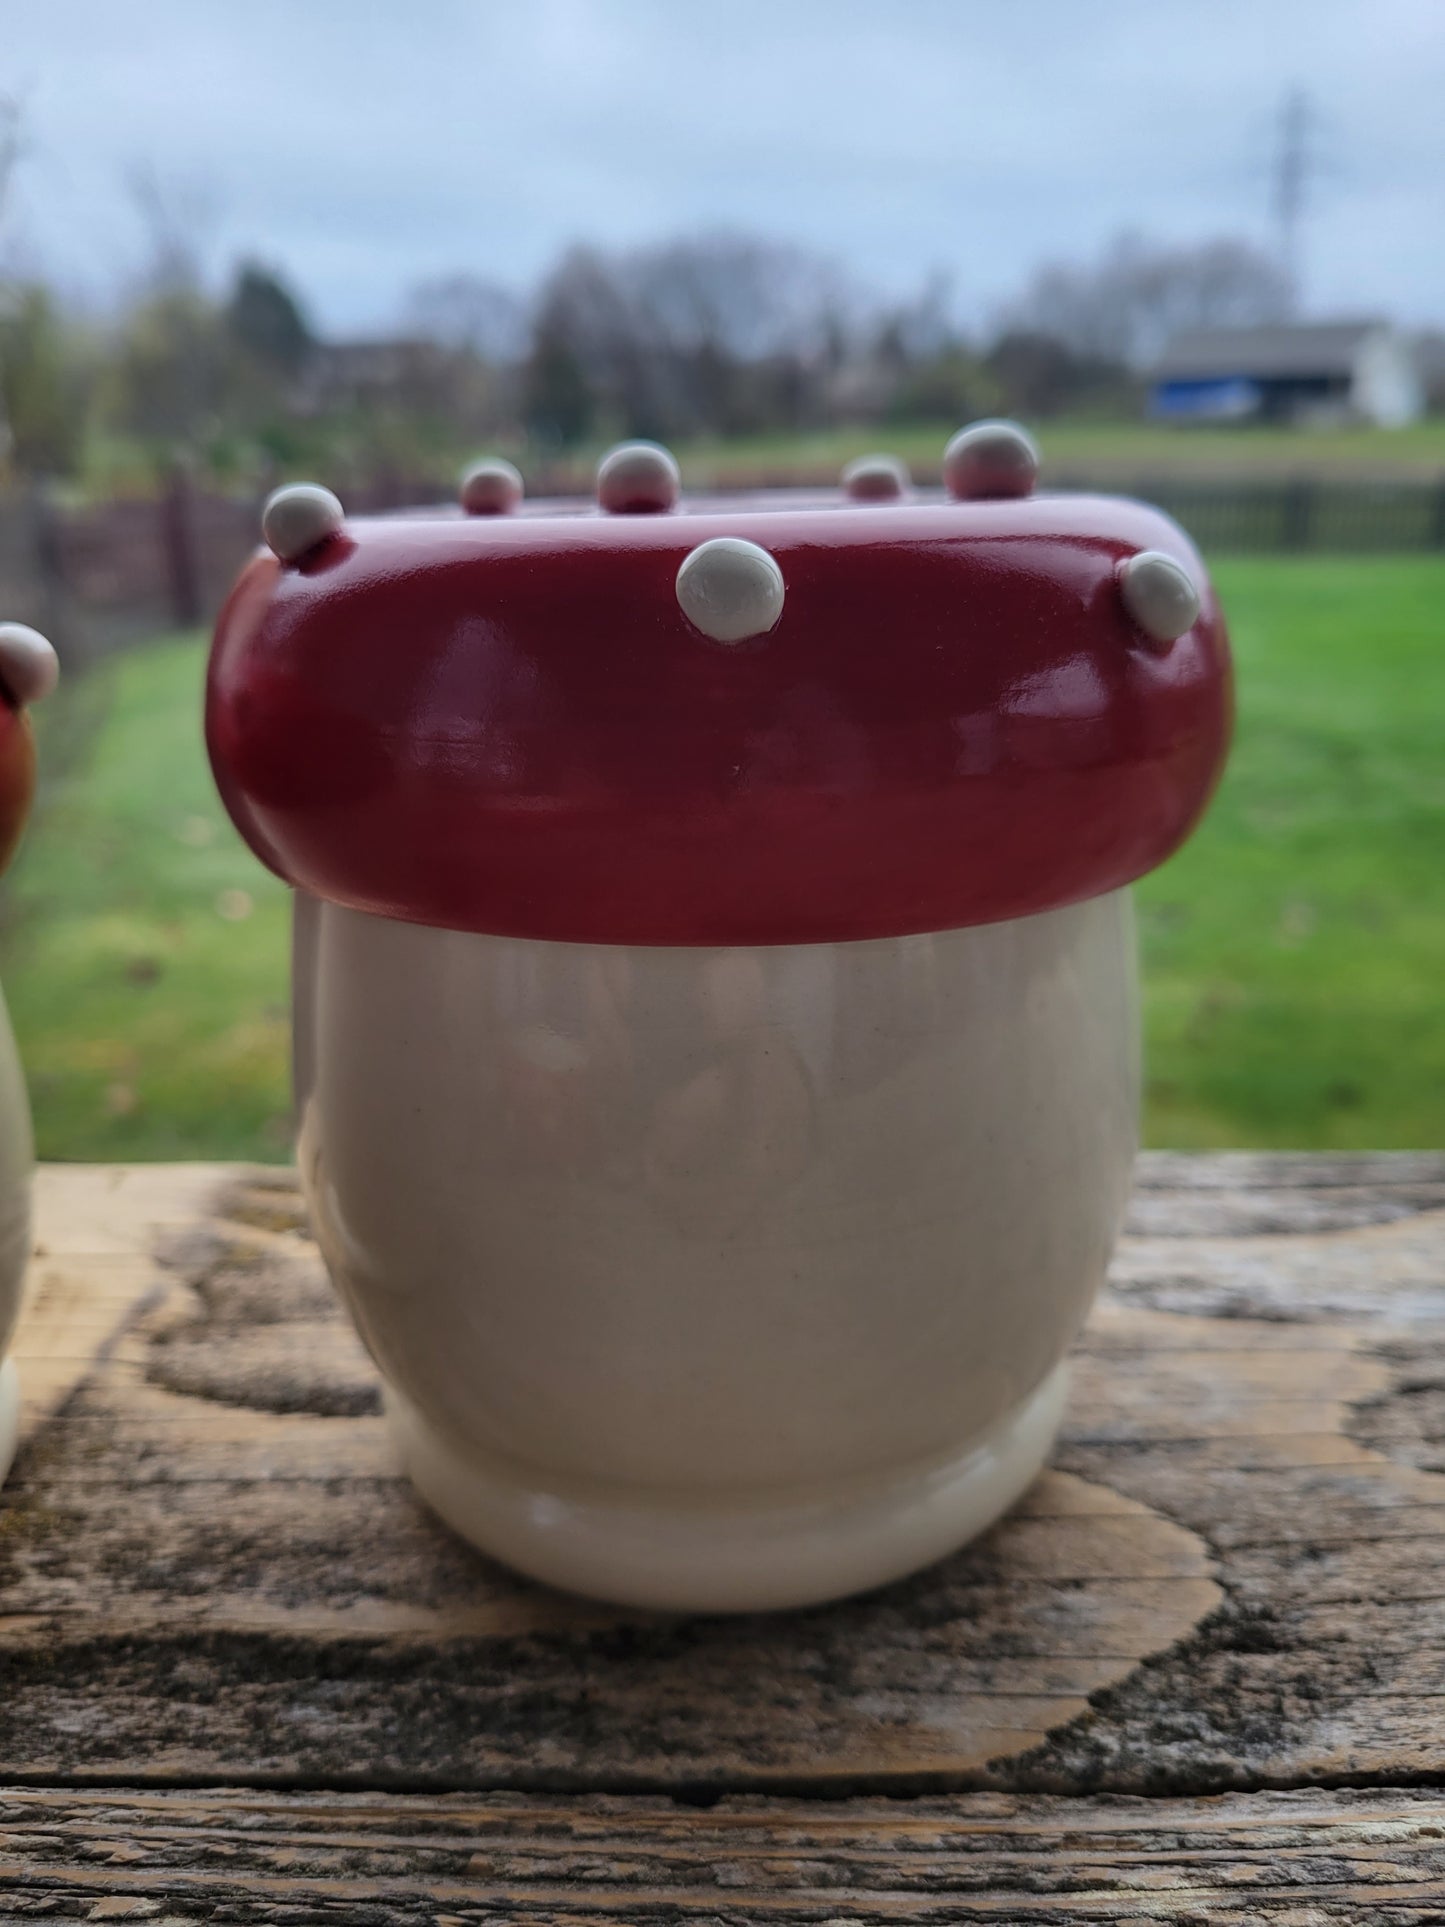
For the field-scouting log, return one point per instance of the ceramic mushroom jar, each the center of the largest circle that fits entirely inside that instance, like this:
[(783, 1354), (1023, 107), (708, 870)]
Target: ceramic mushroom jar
[(714, 988), (27, 672)]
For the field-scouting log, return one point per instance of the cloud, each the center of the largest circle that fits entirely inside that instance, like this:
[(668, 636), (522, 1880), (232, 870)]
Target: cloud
[(367, 147)]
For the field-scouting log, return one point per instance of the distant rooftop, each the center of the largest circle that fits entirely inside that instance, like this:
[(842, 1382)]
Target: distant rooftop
[(1291, 348)]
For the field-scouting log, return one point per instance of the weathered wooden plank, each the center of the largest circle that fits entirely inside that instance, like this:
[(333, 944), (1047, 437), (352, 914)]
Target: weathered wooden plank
[(1233, 1577), (1296, 1859), (1247, 1193), (97, 1230)]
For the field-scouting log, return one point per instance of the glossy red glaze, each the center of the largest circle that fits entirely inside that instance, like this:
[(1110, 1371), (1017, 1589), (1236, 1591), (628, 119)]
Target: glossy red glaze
[(510, 726), (17, 775)]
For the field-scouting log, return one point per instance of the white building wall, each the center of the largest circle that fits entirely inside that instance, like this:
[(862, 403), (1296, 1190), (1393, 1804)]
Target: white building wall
[(1386, 388)]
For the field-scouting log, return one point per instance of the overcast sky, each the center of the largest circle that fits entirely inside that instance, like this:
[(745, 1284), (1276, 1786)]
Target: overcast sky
[(364, 147)]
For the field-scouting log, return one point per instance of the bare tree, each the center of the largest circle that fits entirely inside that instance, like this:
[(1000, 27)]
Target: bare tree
[(719, 332), (172, 365), (176, 214), (743, 296), (587, 356), (750, 329), (467, 311), (1125, 305)]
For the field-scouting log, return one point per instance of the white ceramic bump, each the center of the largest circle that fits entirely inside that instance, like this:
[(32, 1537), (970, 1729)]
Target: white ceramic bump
[(1160, 594), (876, 478), (990, 460), (29, 667), (718, 1279), (297, 518), (638, 478), (491, 487), (730, 589), (16, 1158)]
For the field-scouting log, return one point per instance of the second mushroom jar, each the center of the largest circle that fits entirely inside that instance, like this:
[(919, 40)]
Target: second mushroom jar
[(28, 670), (715, 1015)]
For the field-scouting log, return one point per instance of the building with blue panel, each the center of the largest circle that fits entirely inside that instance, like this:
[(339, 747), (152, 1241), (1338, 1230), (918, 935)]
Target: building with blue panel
[(1311, 372)]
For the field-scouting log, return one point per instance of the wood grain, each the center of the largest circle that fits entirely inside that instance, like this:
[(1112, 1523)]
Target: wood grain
[(1296, 1859), (1233, 1578), (97, 1228)]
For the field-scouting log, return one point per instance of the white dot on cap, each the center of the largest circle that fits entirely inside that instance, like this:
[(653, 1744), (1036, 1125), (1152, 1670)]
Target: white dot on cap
[(28, 664), (730, 589), (295, 519), (637, 478), (1160, 594), (491, 487), (876, 478), (990, 460)]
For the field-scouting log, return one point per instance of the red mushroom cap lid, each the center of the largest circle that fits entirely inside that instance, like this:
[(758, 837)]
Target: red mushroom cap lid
[(755, 725), (28, 671)]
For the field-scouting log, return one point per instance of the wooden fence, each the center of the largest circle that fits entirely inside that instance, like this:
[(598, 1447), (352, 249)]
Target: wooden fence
[(1297, 514), (97, 576), (94, 577)]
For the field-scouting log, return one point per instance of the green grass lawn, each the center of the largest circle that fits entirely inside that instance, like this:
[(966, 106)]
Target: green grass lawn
[(144, 951), (1103, 451), (1130, 453), (1293, 953)]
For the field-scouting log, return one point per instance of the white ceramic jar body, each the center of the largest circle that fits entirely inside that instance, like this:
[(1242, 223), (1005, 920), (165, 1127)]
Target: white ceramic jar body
[(16, 1157), (719, 1279)]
